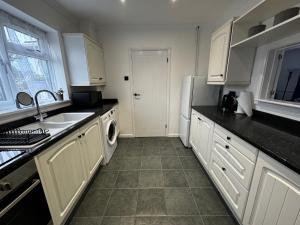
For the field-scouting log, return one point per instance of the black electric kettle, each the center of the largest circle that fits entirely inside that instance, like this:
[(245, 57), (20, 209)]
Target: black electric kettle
[(229, 102)]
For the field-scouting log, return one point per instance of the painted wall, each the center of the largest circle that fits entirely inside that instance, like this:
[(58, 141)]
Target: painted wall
[(118, 41), (48, 12)]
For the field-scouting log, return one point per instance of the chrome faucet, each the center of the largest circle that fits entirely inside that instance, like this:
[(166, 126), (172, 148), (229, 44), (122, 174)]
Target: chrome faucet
[(40, 116)]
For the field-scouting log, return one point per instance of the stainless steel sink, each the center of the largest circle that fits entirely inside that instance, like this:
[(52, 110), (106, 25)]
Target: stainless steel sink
[(53, 128)]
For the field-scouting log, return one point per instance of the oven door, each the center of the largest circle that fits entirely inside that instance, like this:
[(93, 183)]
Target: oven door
[(25, 205)]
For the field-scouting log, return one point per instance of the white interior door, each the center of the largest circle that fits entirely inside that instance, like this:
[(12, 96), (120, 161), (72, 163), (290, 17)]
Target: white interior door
[(150, 72)]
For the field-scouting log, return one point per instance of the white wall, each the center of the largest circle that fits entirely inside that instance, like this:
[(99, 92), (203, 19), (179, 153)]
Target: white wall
[(118, 41), (48, 12)]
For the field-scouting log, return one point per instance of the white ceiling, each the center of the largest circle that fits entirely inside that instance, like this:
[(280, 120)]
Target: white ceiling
[(156, 12)]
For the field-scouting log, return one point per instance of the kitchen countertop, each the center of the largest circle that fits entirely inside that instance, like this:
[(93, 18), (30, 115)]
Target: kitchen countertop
[(275, 141), (30, 153)]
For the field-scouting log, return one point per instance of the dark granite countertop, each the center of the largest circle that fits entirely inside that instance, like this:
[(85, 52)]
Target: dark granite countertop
[(30, 153), (276, 141)]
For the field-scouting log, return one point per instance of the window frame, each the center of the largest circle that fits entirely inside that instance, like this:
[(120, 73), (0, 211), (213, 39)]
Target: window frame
[(272, 73), (7, 48)]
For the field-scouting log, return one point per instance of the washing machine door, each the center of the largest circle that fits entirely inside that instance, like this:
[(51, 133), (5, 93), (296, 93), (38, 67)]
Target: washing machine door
[(111, 132)]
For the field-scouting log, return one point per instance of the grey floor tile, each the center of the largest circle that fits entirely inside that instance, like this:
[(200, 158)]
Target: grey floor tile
[(127, 179), (114, 164), (171, 162), (174, 178), (116, 220), (151, 178), (190, 162), (176, 142), (129, 151), (130, 163), (151, 151), (208, 201), (151, 202), (129, 141), (183, 151), (152, 220), (185, 220), (197, 178), (86, 221), (123, 202), (219, 220), (180, 202), (151, 162), (94, 203), (105, 179), (168, 150)]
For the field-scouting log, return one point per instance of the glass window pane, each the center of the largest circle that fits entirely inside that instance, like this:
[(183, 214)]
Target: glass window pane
[(31, 75), (288, 85), (22, 39), (3, 97)]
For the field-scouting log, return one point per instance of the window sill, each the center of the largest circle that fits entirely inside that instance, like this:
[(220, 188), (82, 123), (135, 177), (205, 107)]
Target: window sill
[(15, 114), (283, 109)]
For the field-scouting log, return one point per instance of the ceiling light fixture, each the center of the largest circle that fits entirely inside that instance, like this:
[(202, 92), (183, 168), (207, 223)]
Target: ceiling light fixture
[(123, 1), (174, 1)]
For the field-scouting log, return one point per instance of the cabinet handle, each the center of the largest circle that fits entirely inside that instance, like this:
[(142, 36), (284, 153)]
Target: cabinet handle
[(223, 168), (218, 75), (221, 75), (83, 134), (100, 78), (228, 138), (227, 146), (79, 136), (199, 118)]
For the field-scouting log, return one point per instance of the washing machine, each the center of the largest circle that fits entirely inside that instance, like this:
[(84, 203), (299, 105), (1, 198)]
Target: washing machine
[(110, 130)]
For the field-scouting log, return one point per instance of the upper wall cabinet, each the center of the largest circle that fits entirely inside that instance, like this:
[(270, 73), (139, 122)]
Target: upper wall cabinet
[(227, 65), (85, 59), (218, 58)]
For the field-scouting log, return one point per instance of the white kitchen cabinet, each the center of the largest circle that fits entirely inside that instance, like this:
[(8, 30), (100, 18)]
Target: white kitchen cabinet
[(201, 132), (274, 196), (85, 59), (92, 146), (234, 193), (231, 168), (66, 168), (63, 175), (219, 49)]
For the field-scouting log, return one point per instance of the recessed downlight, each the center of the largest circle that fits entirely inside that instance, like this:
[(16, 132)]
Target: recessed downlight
[(173, 1), (123, 1)]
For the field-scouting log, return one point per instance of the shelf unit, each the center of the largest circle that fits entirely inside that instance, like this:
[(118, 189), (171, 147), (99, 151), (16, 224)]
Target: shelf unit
[(243, 48)]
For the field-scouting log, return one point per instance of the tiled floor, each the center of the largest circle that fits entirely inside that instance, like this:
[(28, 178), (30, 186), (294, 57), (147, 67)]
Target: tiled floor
[(151, 181)]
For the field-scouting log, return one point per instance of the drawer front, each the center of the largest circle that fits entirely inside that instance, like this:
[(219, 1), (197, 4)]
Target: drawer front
[(245, 148), (238, 164), (234, 193)]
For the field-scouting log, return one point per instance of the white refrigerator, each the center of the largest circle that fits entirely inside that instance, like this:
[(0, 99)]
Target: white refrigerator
[(194, 92)]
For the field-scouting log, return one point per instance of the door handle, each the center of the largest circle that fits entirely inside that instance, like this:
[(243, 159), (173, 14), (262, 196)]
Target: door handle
[(136, 94)]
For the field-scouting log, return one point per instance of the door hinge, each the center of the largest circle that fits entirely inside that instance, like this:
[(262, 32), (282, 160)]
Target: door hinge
[(167, 59), (279, 56), (166, 126)]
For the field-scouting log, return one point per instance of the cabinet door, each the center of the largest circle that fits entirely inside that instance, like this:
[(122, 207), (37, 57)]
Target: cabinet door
[(101, 65), (204, 140), (62, 172), (194, 131), (93, 67), (219, 50), (274, 195), (92, 146)]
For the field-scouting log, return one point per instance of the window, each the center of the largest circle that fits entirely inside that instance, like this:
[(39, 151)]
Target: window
[(25, 61), (283, 82)]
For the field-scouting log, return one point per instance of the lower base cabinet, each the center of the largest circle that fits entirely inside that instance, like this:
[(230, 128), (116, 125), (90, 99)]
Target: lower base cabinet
[(66, 167), (274, 195)]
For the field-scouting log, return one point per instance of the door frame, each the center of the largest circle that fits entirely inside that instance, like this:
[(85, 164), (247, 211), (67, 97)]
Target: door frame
[(131, 50)]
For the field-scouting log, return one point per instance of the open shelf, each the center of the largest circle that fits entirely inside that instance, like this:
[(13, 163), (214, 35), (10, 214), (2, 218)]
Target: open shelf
[(282, 30), (264, 10)]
